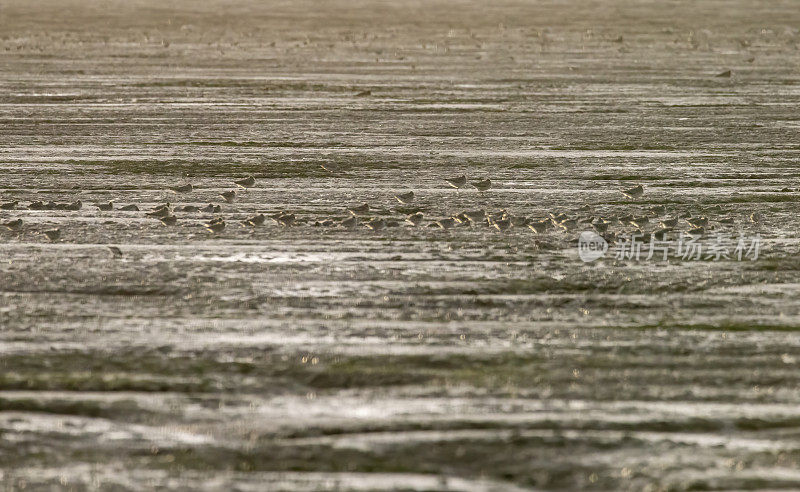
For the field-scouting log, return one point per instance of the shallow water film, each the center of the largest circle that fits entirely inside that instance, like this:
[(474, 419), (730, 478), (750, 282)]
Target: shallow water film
[(617, 308)]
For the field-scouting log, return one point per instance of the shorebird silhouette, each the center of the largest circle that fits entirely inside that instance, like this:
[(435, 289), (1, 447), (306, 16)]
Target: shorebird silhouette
[(539, 226), (211, 208), (215, 225), (13, 225), (447, 223), (76, 205), (129, 208), (482, 185), (376, 224), (697, 221), (115, 251), (246, 182), (168, 220), (52, 234), (668, 223), (635, 192), (414, 219), (105, 207), (405, 198), (229, 196), (457, 182), (255, 220), (186, 188), (359, 209), (502, 224), (350, 222), (8, 205)]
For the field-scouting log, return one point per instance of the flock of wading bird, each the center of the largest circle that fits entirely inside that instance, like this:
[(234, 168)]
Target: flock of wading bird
[(501, 220)]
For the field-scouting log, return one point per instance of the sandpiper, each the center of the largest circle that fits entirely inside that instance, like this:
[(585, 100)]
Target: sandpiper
[(215, 225), (8, 205), (518, 220), (255, 220), (76, 205), (755, 218), (446, 223), (482, 185), (639, 222), (697, 221), (168, 220), (668, 223), (160, 212), (52, 234), (375, 224), (405, 198), (188, 208), (246, 182), (105, 207), (228, 196), (635, 192), (661, 234), (697, 231), (501, 225), (567, 225), (359, 209), (37, 205), (476, 216), (186, 188), (350, 222), (539, 226), (462, 219), (286, 219), (600, 227), (13, 225), (211, 208), (129, 208), (115, 251), (414, 219), (658, 209), (457, 182)]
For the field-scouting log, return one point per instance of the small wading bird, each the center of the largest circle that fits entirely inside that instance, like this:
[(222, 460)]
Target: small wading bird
[(446, 224), (635, 192), (255, 220), (129, 208), (52, 234), (375, 224), (285, 219), (105, 207), (228, 196), (482, 185), (405, 198), (414, 219), (502, 224), (188, 208), (697, 222), (13, 225), (212, 209), (8, 205), (359, 209), (159, 212), (246, 182), (457, 182), (115, 251), (76, 205), (539, 226), (182, 188), (350, 222), (669, 223), (168, 220), (216, 225), (697, 231)]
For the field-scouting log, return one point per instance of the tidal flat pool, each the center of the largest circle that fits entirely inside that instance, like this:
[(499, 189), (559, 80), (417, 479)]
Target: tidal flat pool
[(467, 354)]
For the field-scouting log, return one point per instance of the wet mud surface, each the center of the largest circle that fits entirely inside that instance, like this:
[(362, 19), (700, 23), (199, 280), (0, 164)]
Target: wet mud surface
[(321, 357)]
